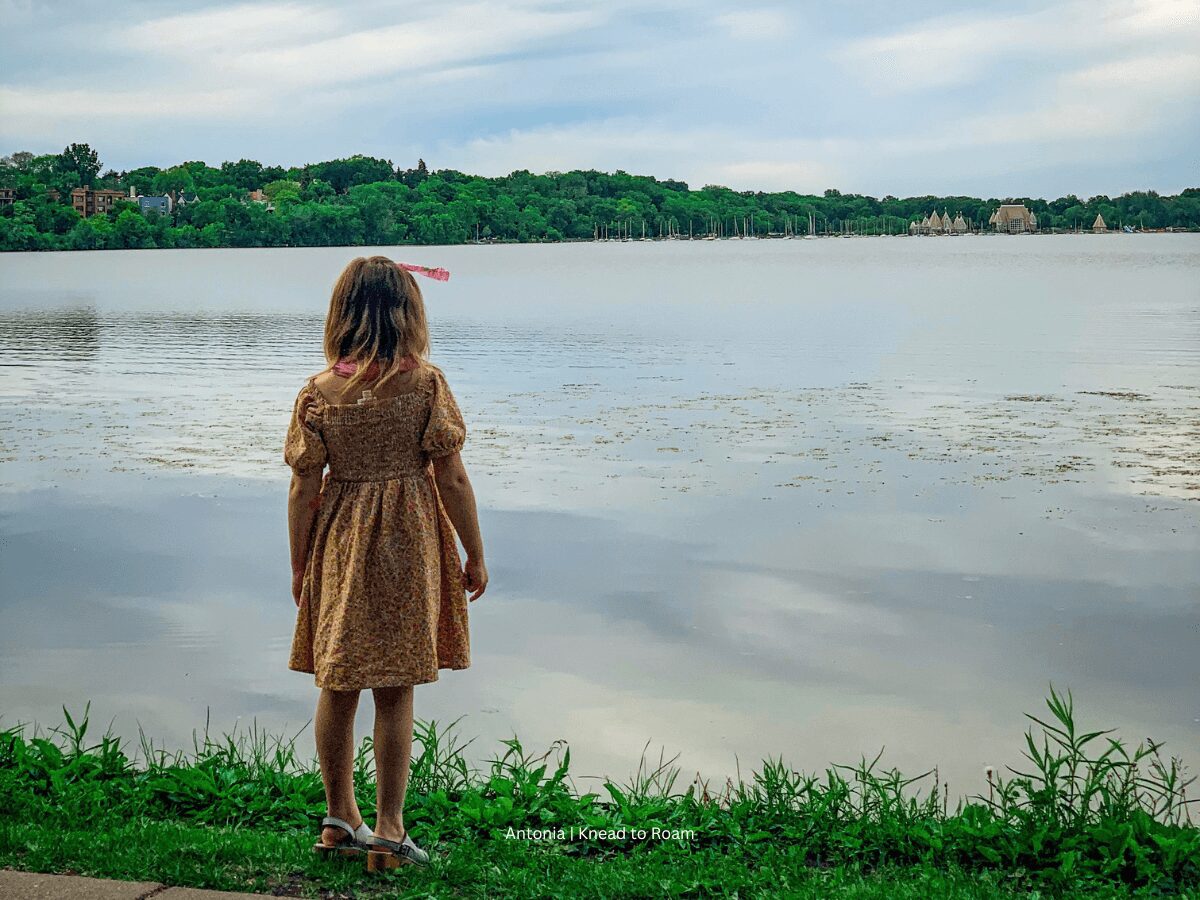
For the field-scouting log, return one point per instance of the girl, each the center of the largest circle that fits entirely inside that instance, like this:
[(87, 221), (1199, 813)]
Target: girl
[(376, 575)]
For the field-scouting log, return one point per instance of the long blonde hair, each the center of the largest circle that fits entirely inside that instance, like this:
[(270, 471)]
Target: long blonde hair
[(376, 314)]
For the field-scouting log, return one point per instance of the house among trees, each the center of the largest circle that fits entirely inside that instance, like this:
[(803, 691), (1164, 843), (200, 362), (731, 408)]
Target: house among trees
[(7, 196), (260, 197), (155, 203), (161, 204), (1098, 227), (1014, 218), (88, 202)]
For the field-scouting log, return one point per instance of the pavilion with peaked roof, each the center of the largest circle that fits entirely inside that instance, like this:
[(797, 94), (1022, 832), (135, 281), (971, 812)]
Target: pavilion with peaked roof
[(939, 224), (1014, 218), (1099, 227)]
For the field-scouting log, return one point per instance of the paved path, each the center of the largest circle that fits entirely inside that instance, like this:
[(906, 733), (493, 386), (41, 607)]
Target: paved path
[(33, 886)]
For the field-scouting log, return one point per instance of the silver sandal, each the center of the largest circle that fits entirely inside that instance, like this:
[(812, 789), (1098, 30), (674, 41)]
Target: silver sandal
[(352, 843), (383, 854)]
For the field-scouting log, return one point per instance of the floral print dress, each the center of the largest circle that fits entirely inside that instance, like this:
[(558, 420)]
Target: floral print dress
[(383, 601)]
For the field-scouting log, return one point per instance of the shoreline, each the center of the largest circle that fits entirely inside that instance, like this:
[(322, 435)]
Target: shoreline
[(646, 240)]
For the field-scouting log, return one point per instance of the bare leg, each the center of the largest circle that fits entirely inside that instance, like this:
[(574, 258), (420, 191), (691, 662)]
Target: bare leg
[(393, 750), (335, 749)]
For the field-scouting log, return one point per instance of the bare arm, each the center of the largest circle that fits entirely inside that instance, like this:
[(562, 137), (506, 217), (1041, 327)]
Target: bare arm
[(302, 510), (459, 499)]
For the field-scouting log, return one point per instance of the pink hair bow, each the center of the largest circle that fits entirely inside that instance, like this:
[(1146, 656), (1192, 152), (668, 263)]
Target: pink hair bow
[(435, 274)]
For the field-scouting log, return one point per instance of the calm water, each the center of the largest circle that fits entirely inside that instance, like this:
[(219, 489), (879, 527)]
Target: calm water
[(739, 498)]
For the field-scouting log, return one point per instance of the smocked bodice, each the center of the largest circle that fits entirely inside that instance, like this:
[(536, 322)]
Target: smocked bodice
[(379, 439)]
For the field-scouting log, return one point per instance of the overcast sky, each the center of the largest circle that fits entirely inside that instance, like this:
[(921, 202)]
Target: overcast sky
[(990, 98)]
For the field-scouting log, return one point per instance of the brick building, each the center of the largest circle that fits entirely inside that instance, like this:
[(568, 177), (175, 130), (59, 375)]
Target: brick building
[(88, 202)]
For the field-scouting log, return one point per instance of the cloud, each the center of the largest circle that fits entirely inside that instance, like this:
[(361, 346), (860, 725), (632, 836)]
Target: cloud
[(1046, 88), (1153, 18), (462, 34), (984, 99), (698, 155), (261, 61), (1119, 101), (962, 49), (755, 24), (1177, 73), (934, 54), (231, 28), (31, 108)]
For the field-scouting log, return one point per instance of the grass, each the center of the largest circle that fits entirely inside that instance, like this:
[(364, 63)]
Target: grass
[(1088, 815)]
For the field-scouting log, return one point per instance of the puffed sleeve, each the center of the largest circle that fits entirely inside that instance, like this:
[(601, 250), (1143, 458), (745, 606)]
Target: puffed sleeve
[(445, 432), (304, 448)]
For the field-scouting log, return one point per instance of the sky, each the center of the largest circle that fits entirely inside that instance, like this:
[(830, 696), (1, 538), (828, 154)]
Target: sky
[(993, 99)]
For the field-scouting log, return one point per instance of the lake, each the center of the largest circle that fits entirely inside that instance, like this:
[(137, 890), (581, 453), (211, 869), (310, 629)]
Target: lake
[(740, 498)]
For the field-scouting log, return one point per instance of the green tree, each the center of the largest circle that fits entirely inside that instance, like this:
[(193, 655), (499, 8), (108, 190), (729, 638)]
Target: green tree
[(174, 182), (51, 217), (186, 236), (414, 177), (282, 191), (383, 209), (344, 173), (325, 225), (93, 233), (247, 174), (501, 217), (19, 160), (319, 190), (79, 161), (531, 224), (131, 231), (212, 235), (142, 179), (19, 231)]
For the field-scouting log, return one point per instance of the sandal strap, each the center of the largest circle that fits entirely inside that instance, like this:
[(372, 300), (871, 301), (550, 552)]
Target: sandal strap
[(394, 846), (335, 822), (403, 847)]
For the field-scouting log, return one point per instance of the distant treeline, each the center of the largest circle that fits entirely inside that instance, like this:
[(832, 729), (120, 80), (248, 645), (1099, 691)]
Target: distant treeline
[(367, 201)]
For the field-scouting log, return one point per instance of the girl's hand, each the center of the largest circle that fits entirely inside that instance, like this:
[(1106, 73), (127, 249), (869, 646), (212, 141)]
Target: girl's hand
[(475, 573), (297, 584)]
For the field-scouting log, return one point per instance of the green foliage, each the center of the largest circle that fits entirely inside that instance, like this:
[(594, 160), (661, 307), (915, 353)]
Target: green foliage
[(1092, 815), (174, 181), (343, 174), (19, 231), (362, 200), (131, 231), (95, 233), (80, 162), (249, 174), (283, 189)]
